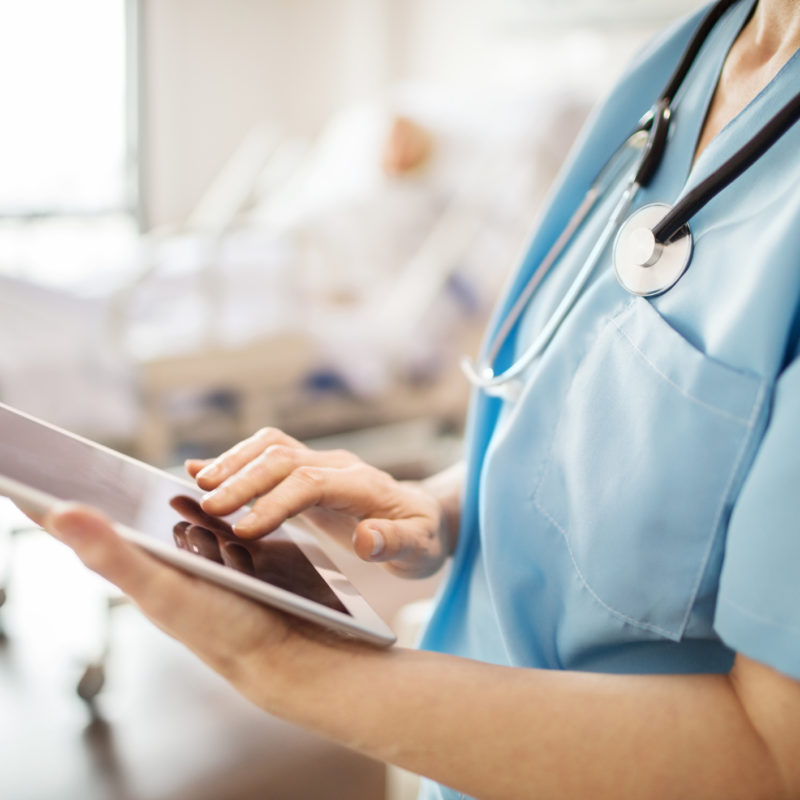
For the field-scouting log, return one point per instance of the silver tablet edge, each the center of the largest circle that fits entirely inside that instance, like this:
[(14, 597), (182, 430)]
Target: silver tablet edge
[(377, 633)]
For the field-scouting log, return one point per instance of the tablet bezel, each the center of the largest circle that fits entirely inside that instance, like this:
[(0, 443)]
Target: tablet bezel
[(364, 624)]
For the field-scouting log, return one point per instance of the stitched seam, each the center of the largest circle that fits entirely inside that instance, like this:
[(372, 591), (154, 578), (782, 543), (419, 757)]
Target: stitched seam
[(723, 500), (748, 423), (719, 412), (610, 609), (759, 402), (751, 615), (624, 311)]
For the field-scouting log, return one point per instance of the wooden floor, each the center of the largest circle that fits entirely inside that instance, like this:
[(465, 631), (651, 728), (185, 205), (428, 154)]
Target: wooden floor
[(165, 727)]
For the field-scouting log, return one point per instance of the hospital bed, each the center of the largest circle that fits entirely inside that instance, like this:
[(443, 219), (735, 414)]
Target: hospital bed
[(298, 293)]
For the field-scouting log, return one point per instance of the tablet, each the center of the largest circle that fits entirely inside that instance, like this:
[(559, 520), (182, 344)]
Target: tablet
[(41, 465)]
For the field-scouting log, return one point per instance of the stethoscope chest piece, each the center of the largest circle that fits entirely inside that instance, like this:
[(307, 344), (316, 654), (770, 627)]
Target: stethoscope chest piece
[(644, 266)]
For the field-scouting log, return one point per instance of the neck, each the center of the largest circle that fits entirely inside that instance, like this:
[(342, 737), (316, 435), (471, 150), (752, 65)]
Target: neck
[(765, 44), (774, 30)]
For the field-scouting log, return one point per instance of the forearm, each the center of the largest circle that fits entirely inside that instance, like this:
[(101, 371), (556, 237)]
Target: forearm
[(497, 732), (492, 732)]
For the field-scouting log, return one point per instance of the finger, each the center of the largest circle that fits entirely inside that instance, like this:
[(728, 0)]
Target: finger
[(409, 540), (233, 460), (265, 472), (351, 490), (155, 587), (194, 465), (238, 557), (215, 623), (191, 511), (202, 541), (179, 535)]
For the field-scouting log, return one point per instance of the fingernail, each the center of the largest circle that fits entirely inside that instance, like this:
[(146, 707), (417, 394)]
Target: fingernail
[(208, 472), (378, 542), (210, 495)]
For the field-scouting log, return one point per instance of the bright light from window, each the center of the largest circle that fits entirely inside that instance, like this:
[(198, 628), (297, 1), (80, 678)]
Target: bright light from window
[(62, 89)]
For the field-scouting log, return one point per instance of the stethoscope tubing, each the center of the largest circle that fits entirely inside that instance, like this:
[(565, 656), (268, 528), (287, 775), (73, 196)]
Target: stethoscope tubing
[(555, 251), (731, 169), (483, 376), (693, 48), (656, 124)]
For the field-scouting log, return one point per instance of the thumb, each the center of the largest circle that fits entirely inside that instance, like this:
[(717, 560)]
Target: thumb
[(91, 535), (393, 540)]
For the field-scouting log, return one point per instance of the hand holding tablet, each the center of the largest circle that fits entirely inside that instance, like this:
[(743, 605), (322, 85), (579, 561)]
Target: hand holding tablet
[(42, 466), (244, 641)]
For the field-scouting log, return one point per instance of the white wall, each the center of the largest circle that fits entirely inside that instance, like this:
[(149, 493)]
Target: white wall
[(213, 69)]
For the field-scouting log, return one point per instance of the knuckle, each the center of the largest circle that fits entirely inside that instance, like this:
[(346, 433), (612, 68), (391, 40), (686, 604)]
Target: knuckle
[(344, 456), (381, 475), (280, 452), (362, 471), (265, 434), (310, 475), (385, 486)]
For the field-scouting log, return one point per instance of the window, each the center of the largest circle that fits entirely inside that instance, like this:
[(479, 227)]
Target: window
[(64, 143), (68, 158), (615, 13)]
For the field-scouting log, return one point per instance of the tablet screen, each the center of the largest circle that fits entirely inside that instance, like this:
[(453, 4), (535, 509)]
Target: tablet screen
[(156, 504)]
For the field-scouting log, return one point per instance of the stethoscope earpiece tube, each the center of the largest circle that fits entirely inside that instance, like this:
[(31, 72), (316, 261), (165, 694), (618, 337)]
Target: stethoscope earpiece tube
[(653, 247), (656, 142), (657, 119), (743, 158), (699, 38)]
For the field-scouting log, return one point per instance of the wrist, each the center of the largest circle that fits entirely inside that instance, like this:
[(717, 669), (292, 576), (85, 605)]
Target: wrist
[(294, 680)]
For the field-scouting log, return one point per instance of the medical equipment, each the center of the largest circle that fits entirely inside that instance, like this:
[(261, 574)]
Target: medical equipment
[(653, 247)]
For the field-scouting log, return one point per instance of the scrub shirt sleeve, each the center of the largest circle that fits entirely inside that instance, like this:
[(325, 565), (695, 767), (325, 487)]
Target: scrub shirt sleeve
[(758, 606)]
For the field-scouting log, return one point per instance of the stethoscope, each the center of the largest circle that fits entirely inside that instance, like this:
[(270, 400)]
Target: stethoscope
[(653, 246)]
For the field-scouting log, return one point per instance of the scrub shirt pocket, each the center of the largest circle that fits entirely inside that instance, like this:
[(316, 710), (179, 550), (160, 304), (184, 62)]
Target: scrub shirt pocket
[(646, 457)]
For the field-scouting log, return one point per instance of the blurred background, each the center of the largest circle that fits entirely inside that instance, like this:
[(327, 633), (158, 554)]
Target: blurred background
[(217, 215)]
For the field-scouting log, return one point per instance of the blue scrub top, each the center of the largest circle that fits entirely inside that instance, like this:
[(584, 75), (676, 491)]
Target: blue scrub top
[(636, 509)]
